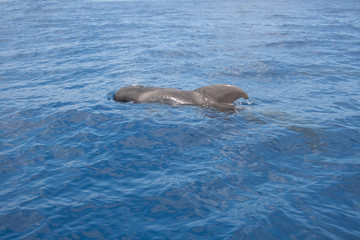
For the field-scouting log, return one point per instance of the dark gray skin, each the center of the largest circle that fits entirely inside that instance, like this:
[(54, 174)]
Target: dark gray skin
[(220, 96)]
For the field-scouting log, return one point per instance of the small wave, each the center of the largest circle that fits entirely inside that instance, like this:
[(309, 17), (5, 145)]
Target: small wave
[(243, 102), (110, 95)]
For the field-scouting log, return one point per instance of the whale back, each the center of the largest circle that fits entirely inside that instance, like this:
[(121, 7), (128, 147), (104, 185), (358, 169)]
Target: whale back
[(139, 93), (222, 93)]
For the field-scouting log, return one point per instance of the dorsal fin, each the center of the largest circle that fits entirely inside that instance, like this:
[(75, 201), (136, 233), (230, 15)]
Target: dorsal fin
[(222, 93)]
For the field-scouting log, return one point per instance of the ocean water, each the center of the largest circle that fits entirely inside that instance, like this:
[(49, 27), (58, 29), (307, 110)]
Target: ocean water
[(74, 164)]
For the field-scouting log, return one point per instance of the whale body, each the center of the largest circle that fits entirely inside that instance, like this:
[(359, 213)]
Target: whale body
[(219, 96)]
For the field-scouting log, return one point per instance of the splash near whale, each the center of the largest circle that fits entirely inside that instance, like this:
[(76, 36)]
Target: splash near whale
[(220, 96)]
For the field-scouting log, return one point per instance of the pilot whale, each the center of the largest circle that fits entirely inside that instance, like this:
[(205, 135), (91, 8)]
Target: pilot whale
[(219, 96)]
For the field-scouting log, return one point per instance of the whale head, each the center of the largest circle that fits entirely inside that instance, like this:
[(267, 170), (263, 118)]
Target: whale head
[(130, 93)]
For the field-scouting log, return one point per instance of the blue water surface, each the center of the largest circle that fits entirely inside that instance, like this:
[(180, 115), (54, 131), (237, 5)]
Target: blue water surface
[(74, 164)]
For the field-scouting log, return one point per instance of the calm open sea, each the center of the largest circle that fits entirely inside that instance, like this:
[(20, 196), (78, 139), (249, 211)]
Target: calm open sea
[(74, 164)]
